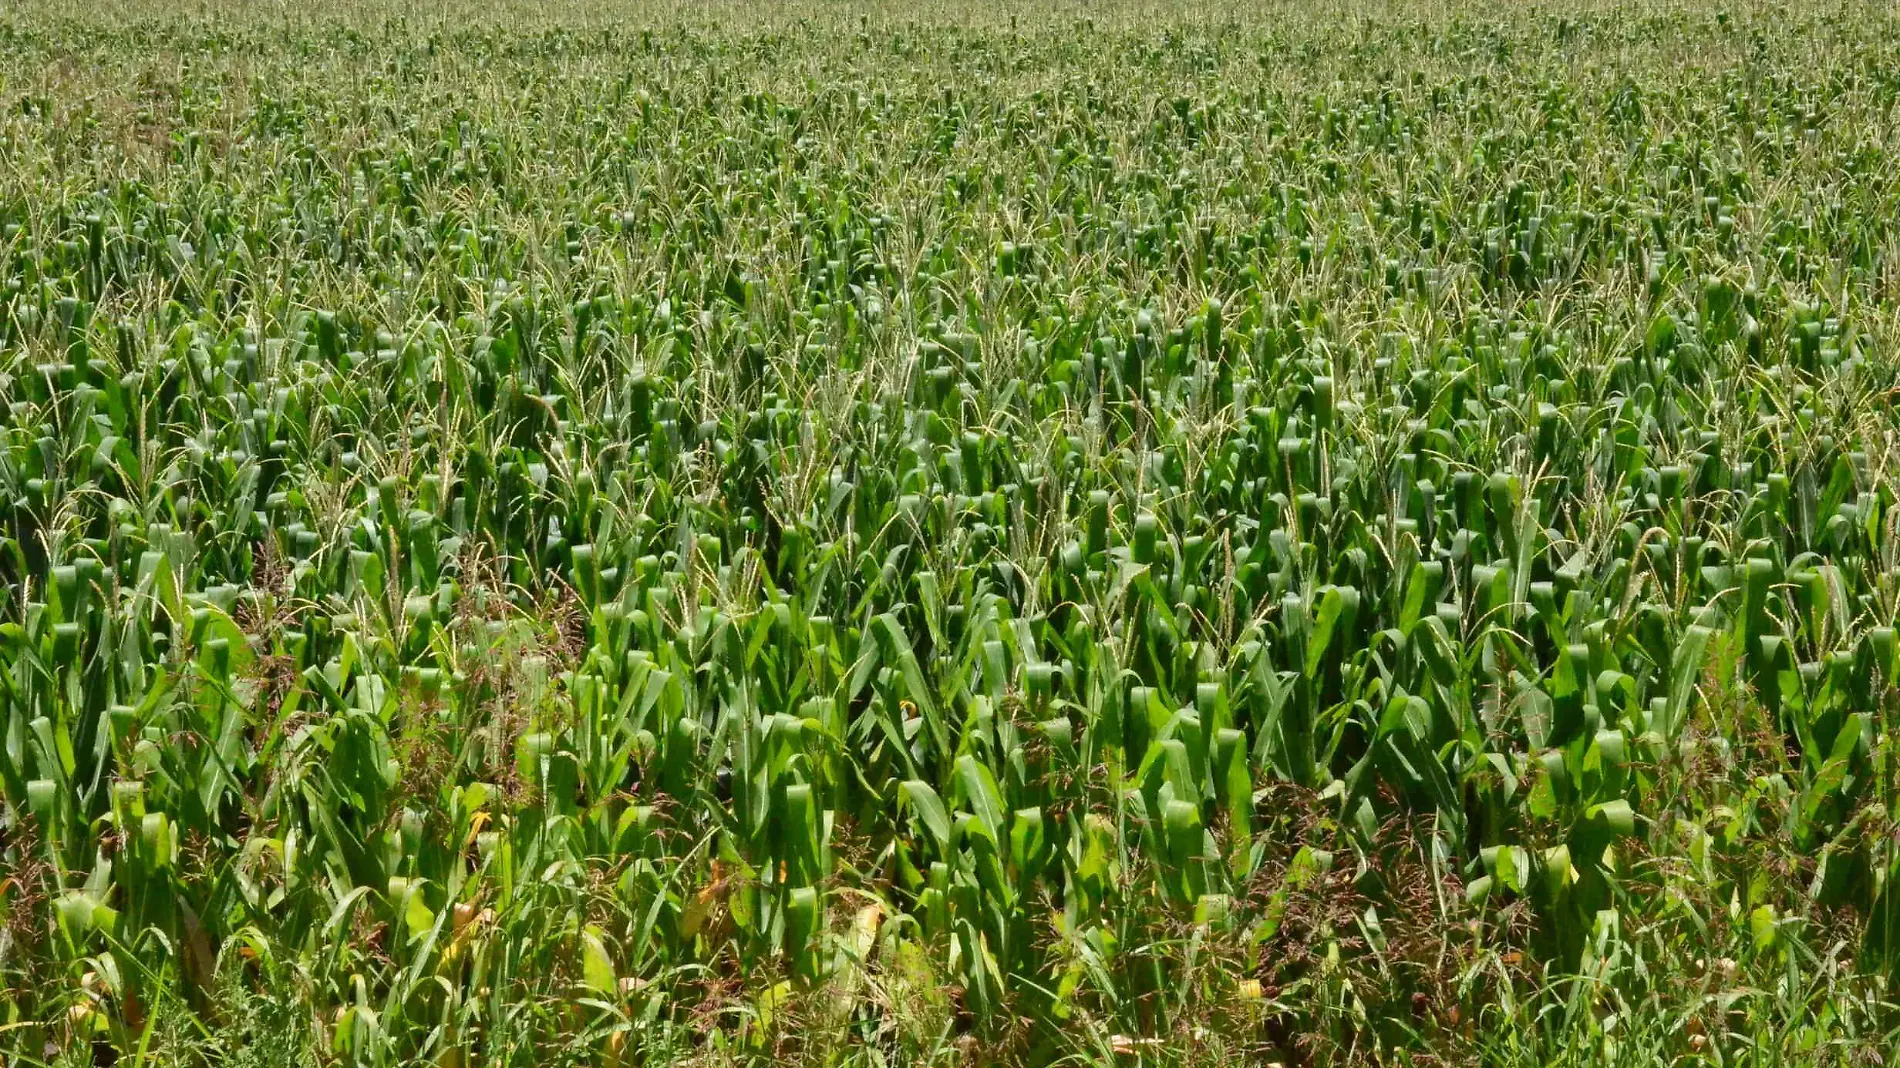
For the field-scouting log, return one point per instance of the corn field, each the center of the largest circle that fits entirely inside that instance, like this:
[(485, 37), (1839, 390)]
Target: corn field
[(839, 534)]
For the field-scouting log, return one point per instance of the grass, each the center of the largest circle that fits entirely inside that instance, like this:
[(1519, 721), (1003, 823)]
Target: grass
[(839, 534)]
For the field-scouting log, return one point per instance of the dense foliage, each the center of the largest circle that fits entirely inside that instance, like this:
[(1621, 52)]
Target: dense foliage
[(572, 534)]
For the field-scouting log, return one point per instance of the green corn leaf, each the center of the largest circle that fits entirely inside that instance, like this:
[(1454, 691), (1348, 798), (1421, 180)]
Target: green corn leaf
[(985, 801), (1338, 608), (930, 811)]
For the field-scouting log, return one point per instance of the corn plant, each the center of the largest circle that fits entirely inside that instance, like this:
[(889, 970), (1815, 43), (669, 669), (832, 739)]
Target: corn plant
[(636, 535)]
